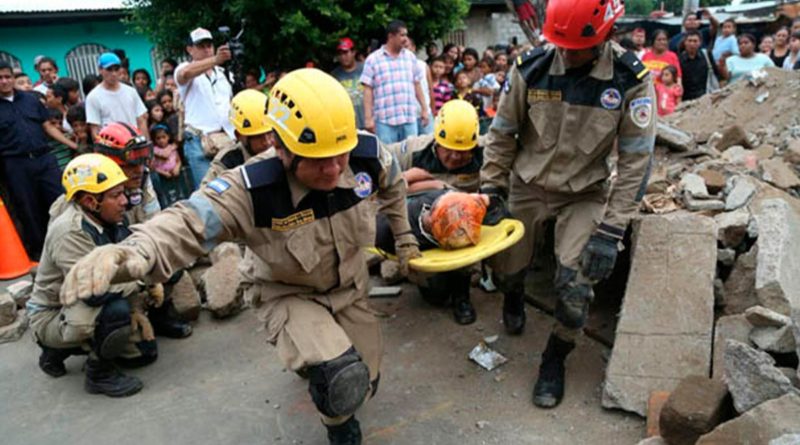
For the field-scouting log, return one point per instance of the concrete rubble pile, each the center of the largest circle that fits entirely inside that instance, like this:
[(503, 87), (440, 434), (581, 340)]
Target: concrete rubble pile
[(13, 319), (728, 161)]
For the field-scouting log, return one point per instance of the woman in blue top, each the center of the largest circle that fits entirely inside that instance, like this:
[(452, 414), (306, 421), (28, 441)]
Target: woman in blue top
[(747, 60)]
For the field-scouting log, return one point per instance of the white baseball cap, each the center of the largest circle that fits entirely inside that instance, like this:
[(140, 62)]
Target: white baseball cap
[(200, 34)]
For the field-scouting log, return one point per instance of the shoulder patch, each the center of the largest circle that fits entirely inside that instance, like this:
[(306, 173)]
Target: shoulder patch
[(219, 185), (232, 159), (630, 61), (367, 146), (266, 172)]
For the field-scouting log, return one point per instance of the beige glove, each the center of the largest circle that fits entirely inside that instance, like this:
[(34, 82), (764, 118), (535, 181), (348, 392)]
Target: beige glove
[(140, 321), (156, 293), (102, 267), (406, 247)]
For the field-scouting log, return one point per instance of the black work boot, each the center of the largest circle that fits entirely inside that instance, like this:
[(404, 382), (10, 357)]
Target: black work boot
[(149, 354), (514, 312), (549, 389), (348, 433), (103, 378), (166, 325), (463, 311), (51, 360)]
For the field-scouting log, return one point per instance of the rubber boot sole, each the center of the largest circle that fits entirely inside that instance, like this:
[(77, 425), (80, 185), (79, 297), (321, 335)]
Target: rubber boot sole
[(134, 385)]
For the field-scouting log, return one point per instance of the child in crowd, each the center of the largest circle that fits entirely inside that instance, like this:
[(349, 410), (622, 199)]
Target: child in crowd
[(725, 45), (443, 90), (76, 117), (155, 113), (487, 86), (169, 185), (449, 67), (501, 62), (470, 61), (167, 101), (794, 49), (22, 82), (668, 91), (464, 91), (62, 153)]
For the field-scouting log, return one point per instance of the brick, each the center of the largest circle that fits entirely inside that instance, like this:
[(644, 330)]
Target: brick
[(654, 405), (759, 426), (696, 407)]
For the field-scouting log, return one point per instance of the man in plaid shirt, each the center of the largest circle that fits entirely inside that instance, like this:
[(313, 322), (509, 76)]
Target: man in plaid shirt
[(392, 90)]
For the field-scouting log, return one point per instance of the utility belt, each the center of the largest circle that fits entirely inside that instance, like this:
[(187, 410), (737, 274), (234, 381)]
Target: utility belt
[(213, 142)]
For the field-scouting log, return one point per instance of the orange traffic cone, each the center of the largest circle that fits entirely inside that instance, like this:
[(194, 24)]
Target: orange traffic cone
[(14, 261)]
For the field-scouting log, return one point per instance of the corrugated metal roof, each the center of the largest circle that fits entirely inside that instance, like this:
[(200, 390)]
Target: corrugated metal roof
[(28, 6)]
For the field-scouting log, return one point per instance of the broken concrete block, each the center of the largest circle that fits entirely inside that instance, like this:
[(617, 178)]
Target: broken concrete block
[(715, 181), (786, 439), (656, 440), (741, 193), (734, 135), (702, 205), (779, 174), (752, 377), (694, 408), (8, 309), (777, 277), (13, 331), (390, 272), (792, 153), (732, 227), (765, 151), (666, 323), (21, 291), (675, 139), (694, 185), (739, 292), (762, 317), (768, 421), (726, 257), (772, 339), (223, 296), (728, 327), (186, 298)]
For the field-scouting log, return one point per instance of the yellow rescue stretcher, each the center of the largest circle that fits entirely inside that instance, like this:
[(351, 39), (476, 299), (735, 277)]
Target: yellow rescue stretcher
[(494, 239)]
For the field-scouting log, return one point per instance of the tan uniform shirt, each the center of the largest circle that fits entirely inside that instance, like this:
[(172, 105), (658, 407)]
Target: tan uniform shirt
[(69, 238), (420, 152), (310, 241), (226, 159), (557, 135)]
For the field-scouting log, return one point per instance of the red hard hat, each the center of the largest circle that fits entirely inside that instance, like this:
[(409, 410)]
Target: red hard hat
[(124, 144), (580, 24)]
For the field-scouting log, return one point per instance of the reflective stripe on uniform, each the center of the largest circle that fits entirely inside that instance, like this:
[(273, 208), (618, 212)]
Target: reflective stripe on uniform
[(504, 126), (212, 223), (637, 144)]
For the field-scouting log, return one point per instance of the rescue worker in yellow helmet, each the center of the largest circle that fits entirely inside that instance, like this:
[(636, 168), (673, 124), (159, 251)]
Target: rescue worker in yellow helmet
[(307, 209), (450, 158), (101, 324), (248, 114)]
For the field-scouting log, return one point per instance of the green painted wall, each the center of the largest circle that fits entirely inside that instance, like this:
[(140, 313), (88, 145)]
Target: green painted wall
[(57, 40)]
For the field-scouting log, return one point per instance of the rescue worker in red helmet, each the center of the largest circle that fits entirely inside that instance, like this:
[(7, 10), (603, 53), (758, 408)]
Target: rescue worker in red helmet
[(563, 109)]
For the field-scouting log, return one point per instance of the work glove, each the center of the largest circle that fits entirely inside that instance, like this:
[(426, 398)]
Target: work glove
[(96, 272), (600, 253), (139, 321), (406, 247), (497, 209), (156, 294)]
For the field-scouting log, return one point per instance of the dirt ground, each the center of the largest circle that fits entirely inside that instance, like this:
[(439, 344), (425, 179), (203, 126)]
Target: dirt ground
[(225, 385)]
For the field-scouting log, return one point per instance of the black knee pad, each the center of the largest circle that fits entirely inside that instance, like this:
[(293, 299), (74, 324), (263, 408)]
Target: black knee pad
[(574, 298), (338, 387), (113, 330)]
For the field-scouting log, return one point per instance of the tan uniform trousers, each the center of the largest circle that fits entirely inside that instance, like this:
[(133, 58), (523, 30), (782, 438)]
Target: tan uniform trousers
[(73, 326), (576, 218), (308, 329)]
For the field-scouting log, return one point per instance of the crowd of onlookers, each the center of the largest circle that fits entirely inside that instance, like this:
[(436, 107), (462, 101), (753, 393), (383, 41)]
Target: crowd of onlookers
[(697, 61), (395, 94)]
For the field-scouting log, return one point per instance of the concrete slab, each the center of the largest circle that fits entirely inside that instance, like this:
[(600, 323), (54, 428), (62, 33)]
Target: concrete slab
[(225, 385)]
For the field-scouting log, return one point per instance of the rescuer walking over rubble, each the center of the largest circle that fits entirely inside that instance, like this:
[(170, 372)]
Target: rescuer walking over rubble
[(449, 158), (307, 210), (567, 106)]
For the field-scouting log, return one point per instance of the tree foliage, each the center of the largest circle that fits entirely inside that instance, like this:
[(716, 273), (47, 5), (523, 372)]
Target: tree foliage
[(289, 33)]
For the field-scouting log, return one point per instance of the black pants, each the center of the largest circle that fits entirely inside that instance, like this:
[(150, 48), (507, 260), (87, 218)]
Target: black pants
[(33, 183), (443, 288)]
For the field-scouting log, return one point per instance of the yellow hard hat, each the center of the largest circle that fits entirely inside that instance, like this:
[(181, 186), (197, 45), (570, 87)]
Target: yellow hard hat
[(249, 113), (313, 114), (456, 126), (91, 173)]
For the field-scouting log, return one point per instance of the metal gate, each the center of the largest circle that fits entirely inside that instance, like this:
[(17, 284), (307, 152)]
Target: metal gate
[(82, 60), (11, 60)]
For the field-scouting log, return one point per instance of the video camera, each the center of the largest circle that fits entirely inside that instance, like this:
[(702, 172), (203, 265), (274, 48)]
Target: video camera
[(236, 46)]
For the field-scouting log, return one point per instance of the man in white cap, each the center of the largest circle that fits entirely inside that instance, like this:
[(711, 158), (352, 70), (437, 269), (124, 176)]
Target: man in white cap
[(206, 94)]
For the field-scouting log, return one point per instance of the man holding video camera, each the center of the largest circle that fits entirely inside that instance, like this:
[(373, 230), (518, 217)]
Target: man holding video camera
[(206, 93)]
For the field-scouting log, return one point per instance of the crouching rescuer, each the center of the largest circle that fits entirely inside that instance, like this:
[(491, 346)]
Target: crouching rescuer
[(307, 210), (100, 324)]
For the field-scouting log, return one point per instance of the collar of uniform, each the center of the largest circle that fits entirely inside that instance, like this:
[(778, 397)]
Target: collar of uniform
[(347, 180), (88, 218), (603, 66)]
